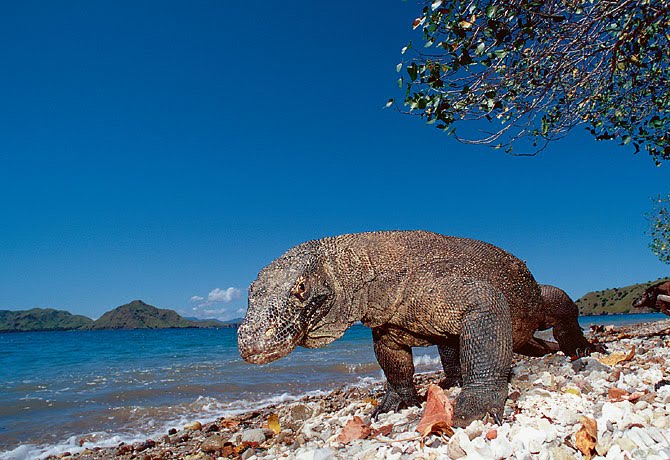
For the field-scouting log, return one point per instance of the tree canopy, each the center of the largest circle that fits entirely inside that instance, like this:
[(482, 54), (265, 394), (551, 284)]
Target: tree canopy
[(531, 70), (659, 229)]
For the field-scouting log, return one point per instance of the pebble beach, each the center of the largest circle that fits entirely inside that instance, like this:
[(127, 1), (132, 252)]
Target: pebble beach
[(606, 406)]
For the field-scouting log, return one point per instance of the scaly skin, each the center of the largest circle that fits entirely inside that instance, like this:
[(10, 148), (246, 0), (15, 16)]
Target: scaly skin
[(476, 302), (650, 298), (561, 314)]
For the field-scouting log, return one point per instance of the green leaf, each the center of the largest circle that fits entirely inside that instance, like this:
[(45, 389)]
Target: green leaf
[(412, 71)]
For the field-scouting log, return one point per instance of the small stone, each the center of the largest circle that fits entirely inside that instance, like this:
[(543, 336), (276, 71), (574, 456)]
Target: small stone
[(530, 438), (614, 453), (247, 453), (641, 405), (124, 449), (626, 444), (172, 431), (299, 412), (193, 426), (253, 435), (561, 453), (435, 442), (211, 428), (213, 443), (578, 365), (326, 434), (475, 429), (661, 422), (454, 448), (148, 444), (325, 453), (614, 376)]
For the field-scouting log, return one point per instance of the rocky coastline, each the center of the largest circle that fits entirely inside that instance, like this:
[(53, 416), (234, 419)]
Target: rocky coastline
[(614, 406)]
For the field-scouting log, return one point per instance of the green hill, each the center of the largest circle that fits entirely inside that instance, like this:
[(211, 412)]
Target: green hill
[(134, 315), (140, 315), (41, 319), (614, 301)]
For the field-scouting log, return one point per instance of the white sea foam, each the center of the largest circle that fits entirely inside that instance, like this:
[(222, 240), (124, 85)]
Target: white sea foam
[(204, 409), (427, 360)]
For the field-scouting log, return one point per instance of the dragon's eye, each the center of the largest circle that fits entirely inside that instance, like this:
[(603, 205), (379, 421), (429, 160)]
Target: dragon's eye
[(300, 290)]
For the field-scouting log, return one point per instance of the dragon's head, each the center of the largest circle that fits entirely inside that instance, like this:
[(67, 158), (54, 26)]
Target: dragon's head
[(288, 304), (656, 297)]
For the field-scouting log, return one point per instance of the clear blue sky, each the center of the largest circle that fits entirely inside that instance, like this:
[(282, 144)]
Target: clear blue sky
[(164, 150)]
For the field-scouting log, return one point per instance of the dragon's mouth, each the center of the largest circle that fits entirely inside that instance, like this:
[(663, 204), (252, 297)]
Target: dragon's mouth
[(262, 358)]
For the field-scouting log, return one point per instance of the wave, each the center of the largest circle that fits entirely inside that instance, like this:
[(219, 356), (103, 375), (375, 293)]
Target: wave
[(427, 361)]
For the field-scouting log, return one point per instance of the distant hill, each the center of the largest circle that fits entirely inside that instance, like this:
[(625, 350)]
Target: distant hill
[(134, 315), (210, 322), (41, 319), (140, 315), (614, 301)]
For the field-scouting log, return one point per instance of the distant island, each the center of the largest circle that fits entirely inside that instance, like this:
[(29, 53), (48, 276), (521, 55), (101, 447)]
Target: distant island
[(134, 315)]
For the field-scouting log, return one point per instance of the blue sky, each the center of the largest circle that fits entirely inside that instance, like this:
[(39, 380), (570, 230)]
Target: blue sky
[(167, 151)]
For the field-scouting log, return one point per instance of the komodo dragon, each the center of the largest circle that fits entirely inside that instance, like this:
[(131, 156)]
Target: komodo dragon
[(656, 297), (476, 302)]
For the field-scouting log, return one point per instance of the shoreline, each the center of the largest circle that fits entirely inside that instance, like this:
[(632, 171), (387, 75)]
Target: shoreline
[(629, 400)]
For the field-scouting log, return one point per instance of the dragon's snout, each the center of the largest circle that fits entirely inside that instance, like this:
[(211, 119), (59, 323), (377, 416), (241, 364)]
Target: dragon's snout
[(260, 346)]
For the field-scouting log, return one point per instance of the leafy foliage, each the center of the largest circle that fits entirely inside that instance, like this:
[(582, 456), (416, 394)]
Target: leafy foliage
[(535, 69), (659, 229)]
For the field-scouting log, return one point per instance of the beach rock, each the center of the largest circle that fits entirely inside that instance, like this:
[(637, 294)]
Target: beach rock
[(529, 439), (325, 453), (193, 426), (559, 453), (211, 428), (253, 435), (214, 443), (454, 449), (475, 429), (248, 454), (148, 444)]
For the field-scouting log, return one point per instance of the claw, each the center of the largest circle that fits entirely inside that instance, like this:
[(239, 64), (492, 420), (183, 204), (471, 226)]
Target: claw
[(497, 418), (393, 401)]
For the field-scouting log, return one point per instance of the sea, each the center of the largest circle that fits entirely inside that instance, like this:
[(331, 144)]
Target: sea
[(57, 388)]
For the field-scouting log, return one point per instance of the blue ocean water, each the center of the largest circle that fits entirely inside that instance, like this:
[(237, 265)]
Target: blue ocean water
[(125, 385)]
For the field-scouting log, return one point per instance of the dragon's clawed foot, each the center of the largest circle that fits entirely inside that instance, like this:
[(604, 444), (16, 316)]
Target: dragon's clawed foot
[(585, 348), (395, 400), (473, 405)]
